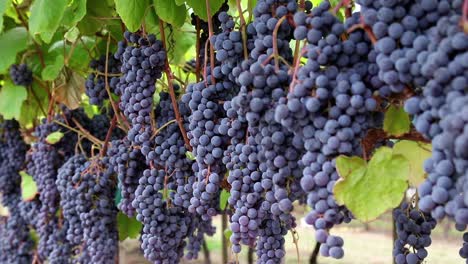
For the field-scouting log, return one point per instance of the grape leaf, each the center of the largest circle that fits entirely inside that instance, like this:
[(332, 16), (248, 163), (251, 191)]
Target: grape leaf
[(368, 190), (189, 155), (31, 107), (170, 12), (12, 42), (132, 12), (227, 233), (416, 153), (72, 34), (53, 67), (184, 42), (223, 199), (69, 88), (74, 13), (396, 121), (128, 227), (54, 137), (3, 7), (180, 2), (28, 186), (199, 7), (45, 18), (11, 99)]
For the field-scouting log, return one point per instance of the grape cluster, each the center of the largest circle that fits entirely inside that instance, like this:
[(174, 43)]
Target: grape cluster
[(142, 61), (128, 164), (21, 74), (96, 82), (413, 229), (421, 44), (16, 245)]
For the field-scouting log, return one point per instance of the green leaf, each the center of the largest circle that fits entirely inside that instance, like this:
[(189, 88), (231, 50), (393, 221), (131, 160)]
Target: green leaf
[(52, 70), (11, 99), (227, 233), (396, 121), (180, 2), (79, 54), (416, 153), (132, 12), (189, 155), (75, 11), (151, 21), (183, 42), (223, 199), (12, 42), (45, 18), (128, 227), (28, 186), (72, 34), (199, 7), (54, 137), (3, 7), (31, 107), (170, 12), (368, 190), (34, 236), (94, 10)]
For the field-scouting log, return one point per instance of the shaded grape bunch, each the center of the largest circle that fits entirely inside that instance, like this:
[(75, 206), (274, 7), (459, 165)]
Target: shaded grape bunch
[(21, 74), (413, 234), (96, 81)]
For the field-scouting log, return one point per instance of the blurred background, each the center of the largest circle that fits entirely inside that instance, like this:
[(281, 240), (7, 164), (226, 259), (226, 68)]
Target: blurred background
[(363, 244)]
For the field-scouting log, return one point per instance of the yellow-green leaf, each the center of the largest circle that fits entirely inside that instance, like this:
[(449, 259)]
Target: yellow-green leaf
[(52, 70), (45, 18), (396, 121), (54, 137), (223, 199), (3, 7), (12, 42), (170, 12), (199, 7), (416, 153), (11, 99), (128, 227), (368, 190), (74, 12), (132, 12), (28, 186)]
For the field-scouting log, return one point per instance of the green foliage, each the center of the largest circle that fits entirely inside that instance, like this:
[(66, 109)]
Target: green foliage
[(223, 199), (45, 19), (170, 12), (53, 67), (74, 13), (199, 7), (28, 187), (396, 121), (128, 227), (3, 7), (370, 189), (11, 98), (54, 137), (132, 12), (415, 153), (12, 42)]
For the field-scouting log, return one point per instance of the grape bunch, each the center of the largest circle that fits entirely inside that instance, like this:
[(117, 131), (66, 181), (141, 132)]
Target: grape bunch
[(128, 164), (413, 229), (21, 74), (96, 82), (16, 245), (142, 62)]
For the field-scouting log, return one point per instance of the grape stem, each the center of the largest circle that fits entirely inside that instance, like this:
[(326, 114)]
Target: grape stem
[(210, 35), (170, 78), (242, 28), (197, 51), (108, 135)]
